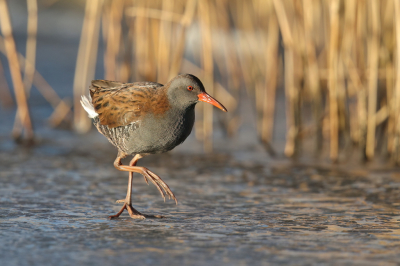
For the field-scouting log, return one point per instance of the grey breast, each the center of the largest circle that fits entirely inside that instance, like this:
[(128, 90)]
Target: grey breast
[(162, 133)]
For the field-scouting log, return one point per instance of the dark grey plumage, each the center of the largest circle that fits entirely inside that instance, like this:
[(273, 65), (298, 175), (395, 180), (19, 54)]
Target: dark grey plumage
[(144, 118)]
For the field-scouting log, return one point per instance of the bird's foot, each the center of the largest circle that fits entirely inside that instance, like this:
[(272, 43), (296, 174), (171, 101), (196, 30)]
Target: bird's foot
[(158, 182), (162, 187), (134, 214)]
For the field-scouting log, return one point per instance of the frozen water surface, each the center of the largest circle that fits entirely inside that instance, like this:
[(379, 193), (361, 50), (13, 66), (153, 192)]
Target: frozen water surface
[(54, 208), (236, 206)]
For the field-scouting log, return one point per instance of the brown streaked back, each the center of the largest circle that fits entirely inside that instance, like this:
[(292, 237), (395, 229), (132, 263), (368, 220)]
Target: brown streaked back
[(120, 104)]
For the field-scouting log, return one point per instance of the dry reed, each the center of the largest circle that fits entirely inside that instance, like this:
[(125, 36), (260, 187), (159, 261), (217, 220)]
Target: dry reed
[(336, 62), (339, 68), (12, 57), (5, 95), (86, 62)]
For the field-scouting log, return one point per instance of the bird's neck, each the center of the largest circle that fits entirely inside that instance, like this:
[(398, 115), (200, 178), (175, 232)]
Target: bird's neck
[(178, 108)]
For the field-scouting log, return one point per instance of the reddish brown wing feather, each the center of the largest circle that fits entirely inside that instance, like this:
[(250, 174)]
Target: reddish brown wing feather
[(120, 104)]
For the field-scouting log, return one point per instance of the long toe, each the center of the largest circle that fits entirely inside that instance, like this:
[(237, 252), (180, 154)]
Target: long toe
[(161, 184), (137, 216), (134, 213), (147, 174), (118, 214)]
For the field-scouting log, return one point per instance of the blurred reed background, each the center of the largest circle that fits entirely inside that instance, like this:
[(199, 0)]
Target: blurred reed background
[(336, 62)]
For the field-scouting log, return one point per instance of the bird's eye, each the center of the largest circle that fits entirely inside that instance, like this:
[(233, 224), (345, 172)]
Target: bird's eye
[(190, 88)]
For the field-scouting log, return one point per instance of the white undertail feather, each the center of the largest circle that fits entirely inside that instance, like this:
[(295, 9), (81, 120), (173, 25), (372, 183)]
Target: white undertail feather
[(88, 106)]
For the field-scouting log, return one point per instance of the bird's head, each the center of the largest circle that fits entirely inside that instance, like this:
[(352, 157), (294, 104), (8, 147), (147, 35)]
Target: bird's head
[(186, 90)]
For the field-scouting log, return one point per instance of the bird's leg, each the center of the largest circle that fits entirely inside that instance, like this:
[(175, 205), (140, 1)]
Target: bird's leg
[(128, 199), (147, 174)]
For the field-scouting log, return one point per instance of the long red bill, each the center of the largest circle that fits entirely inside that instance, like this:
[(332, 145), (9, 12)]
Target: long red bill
[(204, 97)]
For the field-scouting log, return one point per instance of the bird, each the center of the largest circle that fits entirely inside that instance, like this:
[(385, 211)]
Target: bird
[(144, 118)]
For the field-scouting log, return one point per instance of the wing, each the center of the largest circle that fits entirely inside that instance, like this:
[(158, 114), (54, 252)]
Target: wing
[(121, 104)]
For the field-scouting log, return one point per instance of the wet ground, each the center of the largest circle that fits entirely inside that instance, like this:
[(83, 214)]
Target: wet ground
[(233, 209), (236, 206)]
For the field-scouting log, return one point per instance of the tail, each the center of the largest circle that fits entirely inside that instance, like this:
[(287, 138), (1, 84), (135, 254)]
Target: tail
[(87, 105)]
